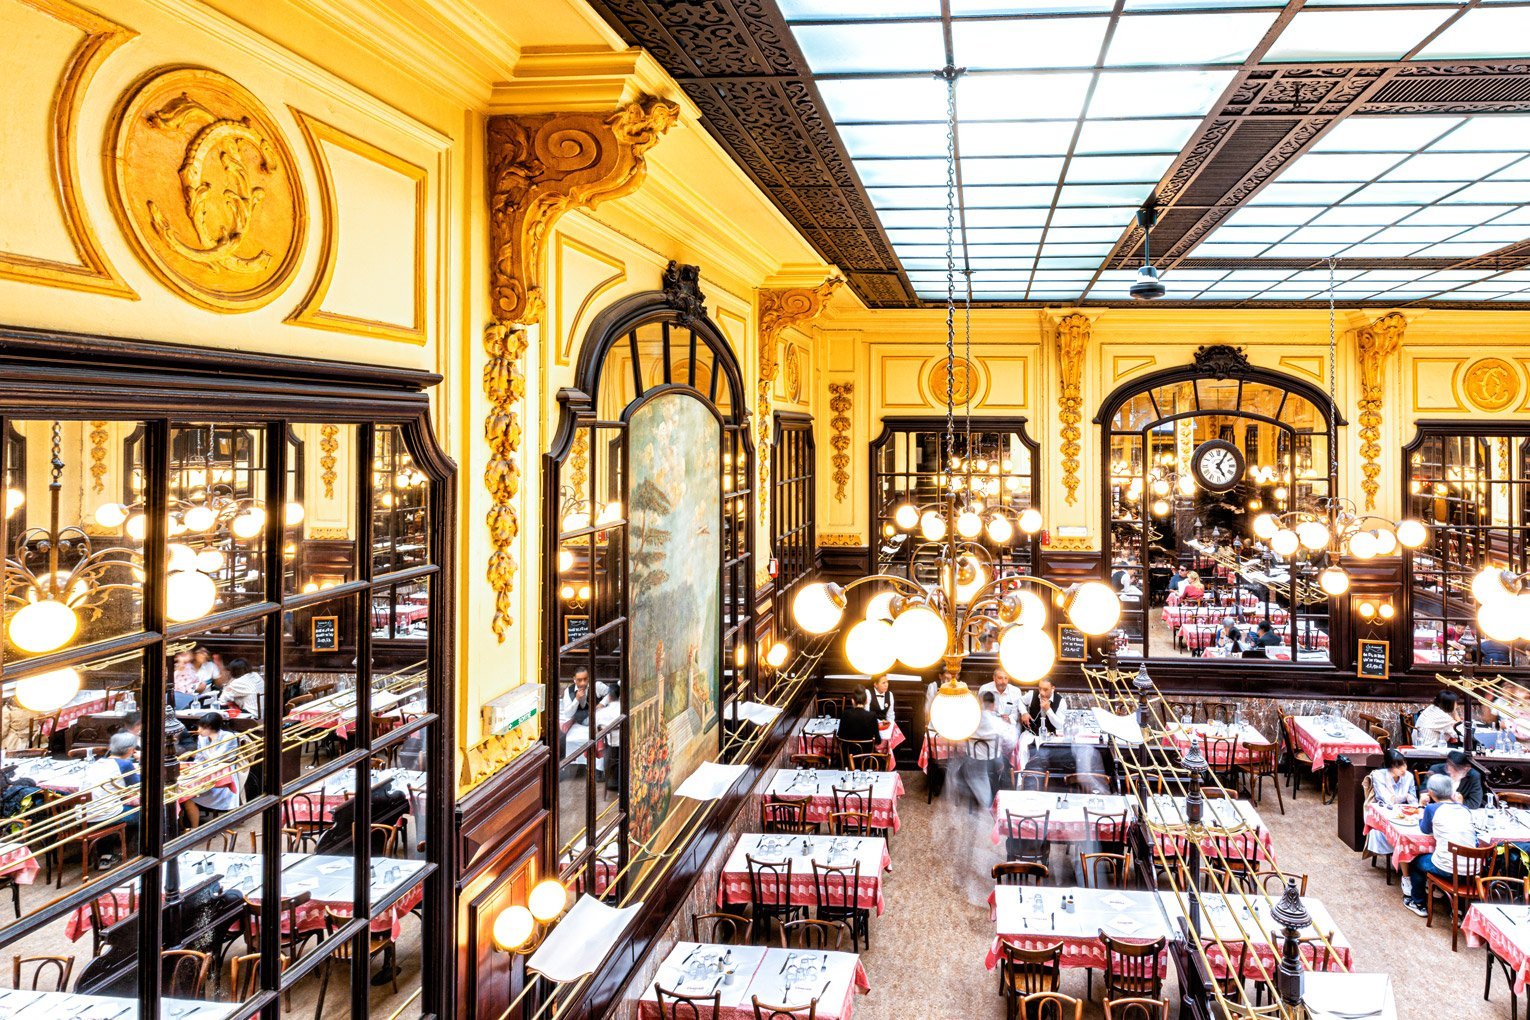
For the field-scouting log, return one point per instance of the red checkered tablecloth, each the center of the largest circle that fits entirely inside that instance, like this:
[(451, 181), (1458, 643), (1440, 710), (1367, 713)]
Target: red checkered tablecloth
[(16, 861), (1322, 747), (1497, 926), (820, 802), (825, 743)]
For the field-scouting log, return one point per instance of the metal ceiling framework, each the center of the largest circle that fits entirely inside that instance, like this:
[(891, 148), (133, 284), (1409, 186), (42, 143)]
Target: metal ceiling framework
[(738, 61)]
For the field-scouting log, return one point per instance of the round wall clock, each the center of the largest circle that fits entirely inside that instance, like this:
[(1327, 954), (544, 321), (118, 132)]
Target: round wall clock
[(1217, 465)]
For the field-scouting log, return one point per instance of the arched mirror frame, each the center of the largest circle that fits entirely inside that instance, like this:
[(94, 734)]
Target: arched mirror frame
[(598, 553)]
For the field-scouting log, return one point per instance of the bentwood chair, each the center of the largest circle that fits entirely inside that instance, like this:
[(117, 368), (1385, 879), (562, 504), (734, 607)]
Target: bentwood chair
[(244, 975), (810, 761), (848, 749), (852, 798), (850, 823), (1026, 972), (720, 929), (1227, 970), (815, 935), (1263, 762), (1019, 873), (674, 1006), (1513, 798), (764, 1012), (1105, 870), (1381, 736), (1107, 832), (1088, 782), (770, 898), (1217, 711), (1461, 887), (1132, 968), (1136, 1009), (1027, 836), (868, 762), (837, 893), (1504, 890), (378, 944), (1297, 760), (185, 973), (1273, 883), (1052, 1006), (787, 816), (44, 969), (820, 744), (1027, 779)]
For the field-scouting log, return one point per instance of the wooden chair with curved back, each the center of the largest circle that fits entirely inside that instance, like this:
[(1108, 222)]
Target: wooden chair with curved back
[(1299, 761), (767, 1012), (184, 973), (1461, 886), (837, 893), (787, 815), (1136, 1009), (1026, 836), (1273, 883), (1132, 968), (1105, 871), (803, 760), (814, 935), (1052, 1006), (1020, 873), (59, 967), (1505, 891), (850, 823), (721, 929), (378, 944), (770, 897), (868, 762), (675, 1006), (1025, 972)]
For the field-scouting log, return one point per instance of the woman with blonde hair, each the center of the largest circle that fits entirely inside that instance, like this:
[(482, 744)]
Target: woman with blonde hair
[(1192, 588)]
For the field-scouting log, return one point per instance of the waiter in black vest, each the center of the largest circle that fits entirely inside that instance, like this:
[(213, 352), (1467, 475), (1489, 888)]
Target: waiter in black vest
[(1043, 709), (879, 699)]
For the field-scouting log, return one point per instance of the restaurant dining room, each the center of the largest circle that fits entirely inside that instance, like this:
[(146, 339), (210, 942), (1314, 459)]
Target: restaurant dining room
[(765, 510)]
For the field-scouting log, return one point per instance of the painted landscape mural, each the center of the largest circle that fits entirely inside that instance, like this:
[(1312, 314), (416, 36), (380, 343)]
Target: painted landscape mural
[(674, 553)]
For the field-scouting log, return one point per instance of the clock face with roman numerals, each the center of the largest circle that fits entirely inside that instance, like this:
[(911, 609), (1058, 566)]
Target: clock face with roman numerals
[(1217, 465)]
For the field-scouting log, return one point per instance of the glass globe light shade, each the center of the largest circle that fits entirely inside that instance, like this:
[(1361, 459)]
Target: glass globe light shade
[(1499, 619), (1487, 585), (1094, 608), (313, 586), (566, 592), (775, 656), (1186, 485), (199, 518), (137, 527), (1030, 520), (610, 513), (991, 487), (1265, 526), (15, 499), (565, 560), (1386, 542), (1334, 580), (189, 595), (1033, 609), (247, 524), (1363, 545), (111, 515), (1386, 611), (1284, 543), (1000, 531), (1281, 493), (175, 526), (578, 520), (969, 524), (955, 712), (182, 557), (210, 560), (1160, 487), (1411, 533), (48, 692), (1367, 610), (1160, 507), (919, 637), (971, 575), (293, 514), (1313, 534), (513, 928), (818, 607), (44, 626), (932, 526), (906, 516), (1026, 653), (879, 606), (584, 592), (547, 899), (869, 647)]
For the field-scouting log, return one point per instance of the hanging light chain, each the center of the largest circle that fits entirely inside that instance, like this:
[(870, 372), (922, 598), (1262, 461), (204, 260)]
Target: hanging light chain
[(949, 73)]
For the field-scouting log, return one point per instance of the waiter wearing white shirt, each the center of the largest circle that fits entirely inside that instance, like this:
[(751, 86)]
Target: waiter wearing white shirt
[(1006, 696), (879, 699), (1042, 711)]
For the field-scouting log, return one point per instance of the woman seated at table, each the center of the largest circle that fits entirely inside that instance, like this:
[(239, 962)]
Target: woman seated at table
[(1467, 780), (1192, 588), (1229, 639), (1392, 786), (215, 745), (1437, 725), (243, 689), (879, 699), (1450, 823)]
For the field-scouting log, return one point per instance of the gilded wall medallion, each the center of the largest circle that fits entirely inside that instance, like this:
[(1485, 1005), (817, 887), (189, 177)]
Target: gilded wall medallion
[(1492, 384), (963, 378), (206, 189), (792, 367)]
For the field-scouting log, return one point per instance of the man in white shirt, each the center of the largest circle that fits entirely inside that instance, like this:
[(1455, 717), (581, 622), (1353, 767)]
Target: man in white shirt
[(992, 725), (111, 782), (244, 688), (1006, 696), (1450, 823), (1043, 710), (609, 711)]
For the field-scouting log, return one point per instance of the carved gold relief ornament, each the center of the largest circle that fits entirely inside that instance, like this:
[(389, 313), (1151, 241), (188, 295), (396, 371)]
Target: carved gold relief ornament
[(206, 188), (1073, 335), (98, 437), (329, 444), (840, 541), (780, 308), (1491, 384), (963, 378), (839, 438), (541, 166), (1373, 345)]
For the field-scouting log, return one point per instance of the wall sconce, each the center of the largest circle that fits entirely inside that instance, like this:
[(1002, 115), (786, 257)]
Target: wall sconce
[(1373, 609), (775, 656), (519, 929)]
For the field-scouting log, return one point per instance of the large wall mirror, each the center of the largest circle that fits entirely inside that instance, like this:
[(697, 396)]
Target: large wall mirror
[(793, 518), (650, 581), (223, 683), (1191, 455)]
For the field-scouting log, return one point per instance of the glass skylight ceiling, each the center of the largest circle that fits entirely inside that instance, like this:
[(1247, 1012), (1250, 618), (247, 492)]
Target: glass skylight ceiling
[(1070, 112)]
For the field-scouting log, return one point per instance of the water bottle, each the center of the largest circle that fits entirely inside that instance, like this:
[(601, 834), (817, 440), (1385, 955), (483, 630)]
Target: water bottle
[(1037, 906)]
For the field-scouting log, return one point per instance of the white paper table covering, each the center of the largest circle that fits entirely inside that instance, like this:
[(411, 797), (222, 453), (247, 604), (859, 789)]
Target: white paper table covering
[(1123, 727), (1328, 993), (867, 851), (710, 781), (753, 712), (1124, 913), (74, 1006), (794, 783), (579, 942)]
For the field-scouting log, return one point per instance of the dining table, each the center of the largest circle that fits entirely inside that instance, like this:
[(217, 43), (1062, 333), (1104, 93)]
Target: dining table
[(1505, 929), (1067, 821), (337, 711), (1223, 744), (1399, 826), (1324, 738), (1235, 828), (820, 735), (1335, 995), (59, 775), (816, 788), (39, 1005), (315, 805), (740, 974), (868, 853), (17, 862)]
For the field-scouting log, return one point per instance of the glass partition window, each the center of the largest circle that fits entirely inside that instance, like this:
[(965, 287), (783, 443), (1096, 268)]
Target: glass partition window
[(1474, 493), (1194, 580), (793, 541), (290, 710)]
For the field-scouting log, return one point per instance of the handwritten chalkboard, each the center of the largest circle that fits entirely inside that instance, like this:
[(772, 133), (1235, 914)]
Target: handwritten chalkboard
[(1072, 644), (326, 633), (1374, 660), (575, 627)]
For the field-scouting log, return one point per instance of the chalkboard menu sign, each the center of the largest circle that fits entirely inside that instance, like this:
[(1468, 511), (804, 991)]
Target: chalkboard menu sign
[(1374, 660), (575, 627), (326, 633), (1072, 644)]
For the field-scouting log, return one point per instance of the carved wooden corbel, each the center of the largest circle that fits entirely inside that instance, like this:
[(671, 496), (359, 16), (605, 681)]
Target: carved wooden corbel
[(779, 309), (1073, 334), (1373, 345), (541, 166), (839, 439)]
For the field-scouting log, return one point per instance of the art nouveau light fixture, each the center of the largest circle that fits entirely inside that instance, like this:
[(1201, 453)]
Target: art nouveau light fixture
[(1334, 526), (920, 625), (1503, 597)]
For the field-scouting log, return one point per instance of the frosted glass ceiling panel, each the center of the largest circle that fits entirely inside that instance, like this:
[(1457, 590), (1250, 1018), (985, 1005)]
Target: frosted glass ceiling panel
[(1004, 138), (1060, 42), (1518, 171), (1260, 215), (1037, 170), (875, 172), (1103, 169), (1490, 32), (1032, 195), (1490, 192), (1015, 96), (1384, 134), (1210, 38), (880, 99), (979, 218), (1172, 93), (1450, 166), (1281, 193), (1487, 134), (1381, 34), (1419, 192), (894, 139), (1362, 215), (1127, 136), (1341, 166), (860, 47), (1103, 194), (1098, 216), (801, 10)]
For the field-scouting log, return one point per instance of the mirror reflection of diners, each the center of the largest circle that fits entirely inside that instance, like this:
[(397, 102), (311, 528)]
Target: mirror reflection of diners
[(1193, 461), (336, 643)]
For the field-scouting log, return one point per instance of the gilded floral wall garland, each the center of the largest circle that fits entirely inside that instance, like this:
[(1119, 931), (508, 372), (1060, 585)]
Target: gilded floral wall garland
[(839, 438), (1373, 345), (541, 166), (1073, 334), (329, 445), (779, 309), (98, 437)]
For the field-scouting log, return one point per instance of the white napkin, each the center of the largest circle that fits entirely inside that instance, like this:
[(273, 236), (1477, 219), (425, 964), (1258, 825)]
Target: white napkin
[(1116, 900), (1123, 923), (581, 940)]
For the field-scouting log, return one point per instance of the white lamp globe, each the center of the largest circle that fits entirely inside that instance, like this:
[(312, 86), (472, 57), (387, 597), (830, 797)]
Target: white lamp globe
[(1160, 508), (547, 899), (1487, 585), (818, 607), (1033, 609), (869, 647), (182, 557), (199, 518), (919, 637), (1284, 543), (1030, 520), (1094, 608), (1265, 527), (1412, 533), (955, 712), (48, 692), (775, 655), (189, 595), (44, 626), (1386, 542), (932, 526), (906, 516), (1026, 653), (137, 527), (1334, 580), (293, 514), (1312, 534), (1160, 487), (513, 928), (969, 524), (1000, 531), (879, 606), (1521, 604), (111, 515), (1186, 485), (249, 523), (1363, 545), (1499, 619)]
